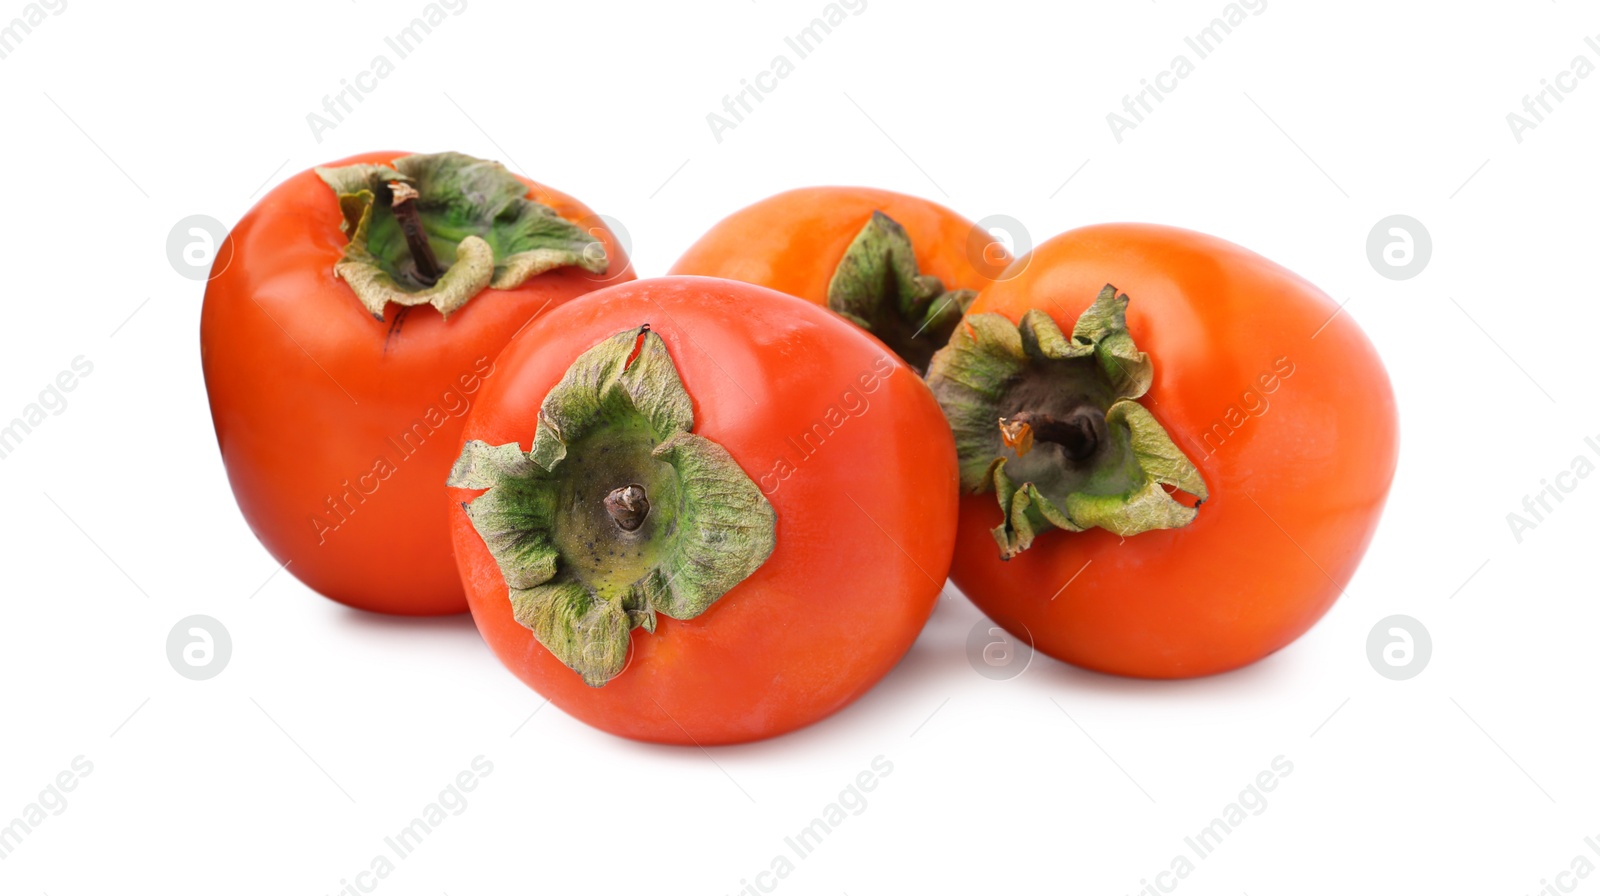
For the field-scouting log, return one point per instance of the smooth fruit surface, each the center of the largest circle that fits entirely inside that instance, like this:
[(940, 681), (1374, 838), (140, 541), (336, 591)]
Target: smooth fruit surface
[(337, 429), (1279, 400), (843, 440)]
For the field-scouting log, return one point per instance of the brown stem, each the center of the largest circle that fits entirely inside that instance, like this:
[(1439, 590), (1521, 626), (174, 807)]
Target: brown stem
[(628, 506), (1079, 433), (425, 263)]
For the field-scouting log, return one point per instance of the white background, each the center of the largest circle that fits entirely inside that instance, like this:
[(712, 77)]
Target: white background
[(331, 729)]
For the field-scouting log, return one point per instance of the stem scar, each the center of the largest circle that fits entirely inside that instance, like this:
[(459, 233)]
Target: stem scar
[(628, 506)]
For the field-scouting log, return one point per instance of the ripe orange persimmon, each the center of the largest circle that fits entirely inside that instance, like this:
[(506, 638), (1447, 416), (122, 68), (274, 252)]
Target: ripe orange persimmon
[(338, 393), (692, 510), (1202, 371)]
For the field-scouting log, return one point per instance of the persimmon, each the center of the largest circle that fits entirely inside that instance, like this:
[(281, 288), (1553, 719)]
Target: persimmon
[(350, 323), (1174, 451), (692, 510)]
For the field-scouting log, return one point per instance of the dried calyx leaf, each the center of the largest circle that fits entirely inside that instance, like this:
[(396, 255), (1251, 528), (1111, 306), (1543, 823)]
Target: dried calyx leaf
[(618, 512), (477, 224), (878, 287), (1052, 425)]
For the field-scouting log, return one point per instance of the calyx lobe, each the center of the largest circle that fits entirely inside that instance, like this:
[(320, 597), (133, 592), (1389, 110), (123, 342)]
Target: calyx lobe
[(612, 449), (1052, 425), (878, 287), (478, 220)]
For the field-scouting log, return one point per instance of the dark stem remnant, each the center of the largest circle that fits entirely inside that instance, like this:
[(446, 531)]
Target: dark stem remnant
[(628, 506), (1079, 433), (424, 263)]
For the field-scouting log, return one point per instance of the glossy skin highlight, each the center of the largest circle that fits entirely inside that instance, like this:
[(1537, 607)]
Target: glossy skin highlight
[(865, 520), (1283, 405), (314, 399)]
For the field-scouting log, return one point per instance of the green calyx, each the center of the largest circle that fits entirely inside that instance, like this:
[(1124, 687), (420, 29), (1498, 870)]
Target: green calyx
[(619, 512), (1052, 424), (476, 229), (877, 286)]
